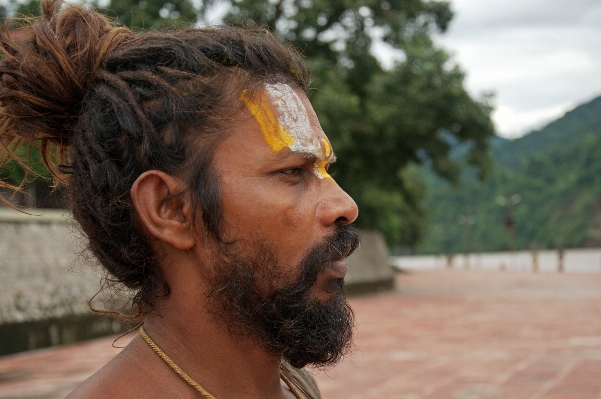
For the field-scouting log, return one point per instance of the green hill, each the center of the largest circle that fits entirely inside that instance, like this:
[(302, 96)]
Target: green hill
[(573, 126), (556, 171)]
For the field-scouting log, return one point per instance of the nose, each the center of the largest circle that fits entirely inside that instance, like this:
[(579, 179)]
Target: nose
[(336, 207)]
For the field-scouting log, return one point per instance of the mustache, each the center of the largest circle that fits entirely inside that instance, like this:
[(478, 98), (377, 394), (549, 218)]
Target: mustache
[(341, 244)]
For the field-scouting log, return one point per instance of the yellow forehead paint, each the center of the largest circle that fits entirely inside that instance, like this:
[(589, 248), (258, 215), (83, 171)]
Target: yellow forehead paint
[(320, 168), (275, 135), (291, 127)]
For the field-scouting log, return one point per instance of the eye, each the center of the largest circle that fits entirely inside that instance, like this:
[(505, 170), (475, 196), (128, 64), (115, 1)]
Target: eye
[(293, 172), (293, 175)]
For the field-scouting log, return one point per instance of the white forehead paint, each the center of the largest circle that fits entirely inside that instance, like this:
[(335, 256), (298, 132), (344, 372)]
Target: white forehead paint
[(293, 117)]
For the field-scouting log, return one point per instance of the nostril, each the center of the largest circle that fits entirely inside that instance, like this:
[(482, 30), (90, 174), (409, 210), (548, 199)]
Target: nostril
[(342, 220)]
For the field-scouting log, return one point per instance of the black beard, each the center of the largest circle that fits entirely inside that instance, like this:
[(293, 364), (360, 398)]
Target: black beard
[(286, 320)]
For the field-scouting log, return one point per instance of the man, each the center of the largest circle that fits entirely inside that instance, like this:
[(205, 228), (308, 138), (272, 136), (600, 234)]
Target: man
[(198, 170)]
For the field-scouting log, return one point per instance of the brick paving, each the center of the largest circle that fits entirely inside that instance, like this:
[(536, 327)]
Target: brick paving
[(441, 334)]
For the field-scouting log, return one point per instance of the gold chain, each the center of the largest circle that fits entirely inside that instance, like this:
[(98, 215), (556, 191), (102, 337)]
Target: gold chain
[(195, 384)]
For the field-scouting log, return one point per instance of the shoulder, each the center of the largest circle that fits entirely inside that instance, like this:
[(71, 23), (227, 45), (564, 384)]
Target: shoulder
[(133, 373), (303, 379)]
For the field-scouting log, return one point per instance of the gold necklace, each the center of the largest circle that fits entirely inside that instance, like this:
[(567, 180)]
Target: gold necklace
[(195, 384)]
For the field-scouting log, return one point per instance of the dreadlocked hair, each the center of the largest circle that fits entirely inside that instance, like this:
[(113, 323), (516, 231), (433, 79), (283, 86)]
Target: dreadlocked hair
[(103, 106)]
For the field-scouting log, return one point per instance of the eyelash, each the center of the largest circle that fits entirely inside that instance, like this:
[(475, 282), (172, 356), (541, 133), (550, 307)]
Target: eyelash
[(297, 171)]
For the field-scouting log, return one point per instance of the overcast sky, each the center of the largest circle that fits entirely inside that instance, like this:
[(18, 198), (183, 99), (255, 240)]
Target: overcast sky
[(540, 57)]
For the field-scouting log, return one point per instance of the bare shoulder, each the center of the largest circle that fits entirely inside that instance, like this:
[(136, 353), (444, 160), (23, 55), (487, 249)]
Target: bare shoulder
[(110, 380), (136, 372)]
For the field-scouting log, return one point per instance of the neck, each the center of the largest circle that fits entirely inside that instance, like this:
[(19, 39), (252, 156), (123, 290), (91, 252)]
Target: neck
[(204, 349)]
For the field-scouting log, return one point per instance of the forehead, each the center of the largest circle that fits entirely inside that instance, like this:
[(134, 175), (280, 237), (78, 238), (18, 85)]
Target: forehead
[(286, 120), (289, 105)]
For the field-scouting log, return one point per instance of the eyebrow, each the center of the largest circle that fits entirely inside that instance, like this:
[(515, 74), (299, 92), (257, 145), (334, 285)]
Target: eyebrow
[(306, 155)]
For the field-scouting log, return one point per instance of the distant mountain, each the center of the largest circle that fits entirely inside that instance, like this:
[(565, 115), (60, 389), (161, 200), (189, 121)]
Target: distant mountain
[(573, 126), (555, 172)]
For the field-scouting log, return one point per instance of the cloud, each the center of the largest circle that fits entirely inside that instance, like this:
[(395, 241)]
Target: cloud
[(502, 14), (512, 123), (540, 57)]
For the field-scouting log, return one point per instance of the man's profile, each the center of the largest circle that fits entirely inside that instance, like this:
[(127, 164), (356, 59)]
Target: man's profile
[(198, 171)]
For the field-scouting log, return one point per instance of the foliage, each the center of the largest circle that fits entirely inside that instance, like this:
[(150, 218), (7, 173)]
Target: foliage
[(152, 14), (574, 125), (383, 123), (18, 9), (560, 187)]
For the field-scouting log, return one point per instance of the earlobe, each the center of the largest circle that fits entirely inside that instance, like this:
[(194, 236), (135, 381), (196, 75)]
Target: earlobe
[(162, 210)]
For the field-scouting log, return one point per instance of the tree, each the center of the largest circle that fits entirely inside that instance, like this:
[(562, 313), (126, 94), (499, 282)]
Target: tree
[(136, 14), (382, 121), (152, 14)]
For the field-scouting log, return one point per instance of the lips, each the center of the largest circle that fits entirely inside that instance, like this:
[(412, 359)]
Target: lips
[(330, 256), (337, 269)]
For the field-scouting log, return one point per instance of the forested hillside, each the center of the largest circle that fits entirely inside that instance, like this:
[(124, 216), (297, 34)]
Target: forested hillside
[(573, 126), (555, 176)]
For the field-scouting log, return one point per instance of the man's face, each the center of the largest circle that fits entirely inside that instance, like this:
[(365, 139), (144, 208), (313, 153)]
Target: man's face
[(281, 195), (286, 231)]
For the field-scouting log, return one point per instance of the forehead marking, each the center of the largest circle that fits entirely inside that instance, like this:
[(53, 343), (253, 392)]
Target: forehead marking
[(291, 128), (320, 167), (293, 117), (275, 135)]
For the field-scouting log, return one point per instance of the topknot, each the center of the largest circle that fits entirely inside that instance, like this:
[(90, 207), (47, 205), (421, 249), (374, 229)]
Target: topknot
[(47, 68)]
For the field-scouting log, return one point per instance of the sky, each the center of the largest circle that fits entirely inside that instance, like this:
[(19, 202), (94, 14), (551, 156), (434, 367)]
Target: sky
[(541, 58)]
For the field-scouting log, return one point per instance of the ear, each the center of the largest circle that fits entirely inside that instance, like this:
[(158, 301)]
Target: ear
[(162, 210)]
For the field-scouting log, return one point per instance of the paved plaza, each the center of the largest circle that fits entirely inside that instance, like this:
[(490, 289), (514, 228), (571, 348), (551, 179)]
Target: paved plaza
[(442, 334)]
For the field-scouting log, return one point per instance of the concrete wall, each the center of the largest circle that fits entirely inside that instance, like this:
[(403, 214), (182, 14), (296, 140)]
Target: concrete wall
[(369, 267), (575, 260), (46, 284), (43, 276)]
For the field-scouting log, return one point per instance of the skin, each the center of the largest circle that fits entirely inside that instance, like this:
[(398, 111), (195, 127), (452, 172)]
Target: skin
[(270, 196)]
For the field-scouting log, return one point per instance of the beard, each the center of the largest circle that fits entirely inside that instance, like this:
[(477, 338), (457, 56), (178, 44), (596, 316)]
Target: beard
[(248, 295)]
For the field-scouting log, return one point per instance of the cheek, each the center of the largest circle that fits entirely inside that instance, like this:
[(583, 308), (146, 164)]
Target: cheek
[(280, 219), (292, 217), (257, 211)]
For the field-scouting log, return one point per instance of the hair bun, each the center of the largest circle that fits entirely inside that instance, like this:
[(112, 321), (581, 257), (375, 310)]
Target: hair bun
[(47, 71), (45, 74)]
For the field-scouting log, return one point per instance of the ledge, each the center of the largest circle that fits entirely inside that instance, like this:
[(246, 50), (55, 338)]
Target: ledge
[(369, 287), (35, 215)]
